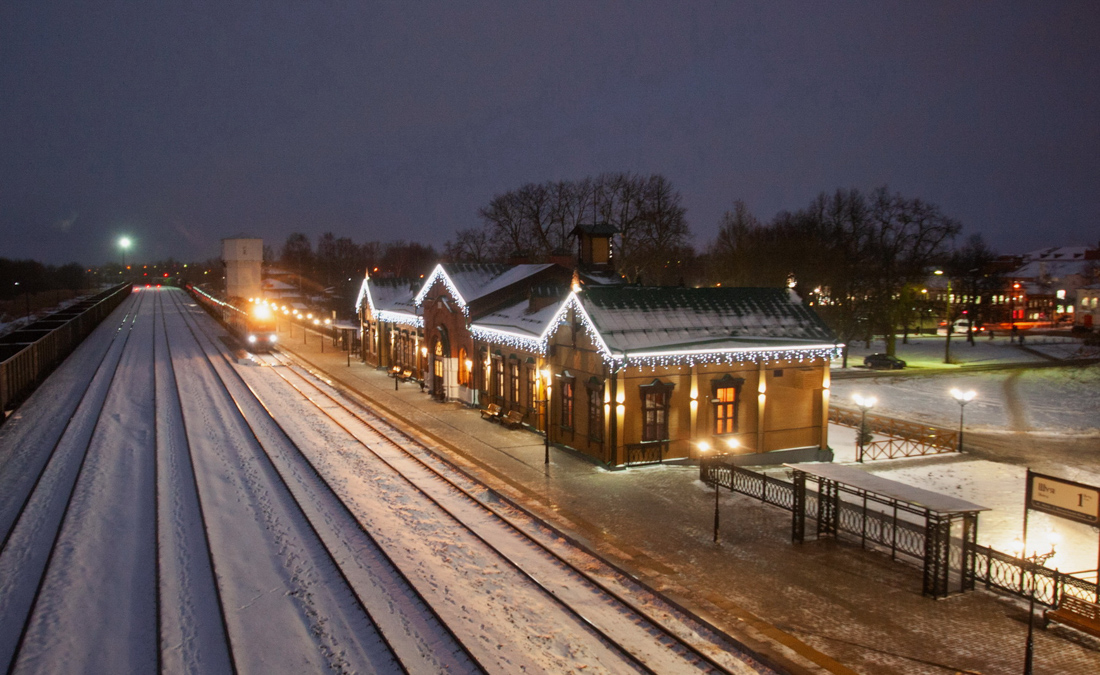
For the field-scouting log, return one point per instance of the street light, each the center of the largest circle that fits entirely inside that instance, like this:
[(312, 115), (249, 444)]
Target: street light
[(124, 244), (950, 327), (704, 447), (1038, 559), (963, 397), (545, 372), (864, 404)]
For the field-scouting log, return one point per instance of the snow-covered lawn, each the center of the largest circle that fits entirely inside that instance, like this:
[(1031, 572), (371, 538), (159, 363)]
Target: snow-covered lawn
[(928, 351), (1048, 400), (1040, 403)]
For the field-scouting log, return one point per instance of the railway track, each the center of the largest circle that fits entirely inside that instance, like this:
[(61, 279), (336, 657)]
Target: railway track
[(630, 617), (189, 514), (40, 483), (363, 566)]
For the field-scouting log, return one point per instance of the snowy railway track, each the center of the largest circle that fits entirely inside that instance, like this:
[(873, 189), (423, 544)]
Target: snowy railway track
[(40, 482), (166, 509), (405, 623), (651, 635)]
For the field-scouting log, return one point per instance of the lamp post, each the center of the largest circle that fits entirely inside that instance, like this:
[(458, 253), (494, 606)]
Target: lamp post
[(704, 447), (963, 397), (950, 327), (545, 372), (864, 404), (124, 244), (1038, 559)]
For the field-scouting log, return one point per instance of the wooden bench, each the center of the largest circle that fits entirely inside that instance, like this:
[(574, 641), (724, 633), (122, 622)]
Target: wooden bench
[(1077, 613), (492, 413), (513, 420)]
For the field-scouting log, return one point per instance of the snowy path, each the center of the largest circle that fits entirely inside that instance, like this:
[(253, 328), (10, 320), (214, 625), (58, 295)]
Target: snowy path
[(167, 509)]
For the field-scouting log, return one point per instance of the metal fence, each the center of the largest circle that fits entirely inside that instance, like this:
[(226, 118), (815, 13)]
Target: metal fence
[(32, 352), (893, 530), (649, 452), (908, 439)]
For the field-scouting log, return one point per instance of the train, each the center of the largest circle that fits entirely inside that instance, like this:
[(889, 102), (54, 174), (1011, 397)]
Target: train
[(253, 323)]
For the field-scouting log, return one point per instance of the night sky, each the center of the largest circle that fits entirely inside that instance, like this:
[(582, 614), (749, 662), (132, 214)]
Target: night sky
[(179, 123)]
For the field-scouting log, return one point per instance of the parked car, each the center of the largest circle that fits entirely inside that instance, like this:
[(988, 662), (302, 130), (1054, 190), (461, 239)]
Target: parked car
[(883, 362), (960, 327)]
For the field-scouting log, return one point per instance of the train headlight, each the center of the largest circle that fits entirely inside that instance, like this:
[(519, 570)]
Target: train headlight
[(272, 338), (261, 312), (252, 339)]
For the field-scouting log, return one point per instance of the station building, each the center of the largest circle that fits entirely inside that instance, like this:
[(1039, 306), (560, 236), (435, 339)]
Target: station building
[(623, 374)]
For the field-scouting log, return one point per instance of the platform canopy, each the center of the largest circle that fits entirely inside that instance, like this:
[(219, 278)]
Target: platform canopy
[(884, 487)]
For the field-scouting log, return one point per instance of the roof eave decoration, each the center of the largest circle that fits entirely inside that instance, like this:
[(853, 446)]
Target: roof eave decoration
[(650, 358), (441, 275), (364, 292), (729, 355), (388, 316), (538, 344)]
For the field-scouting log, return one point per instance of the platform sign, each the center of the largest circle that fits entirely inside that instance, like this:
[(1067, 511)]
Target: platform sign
[(1064, 498)]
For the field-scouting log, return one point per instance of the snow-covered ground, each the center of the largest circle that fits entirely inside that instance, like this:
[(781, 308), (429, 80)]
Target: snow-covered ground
[(203, 515), (928, 351), (1035, 404), (1056, 401)]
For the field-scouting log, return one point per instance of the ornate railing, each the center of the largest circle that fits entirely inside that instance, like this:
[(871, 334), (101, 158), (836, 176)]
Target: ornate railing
[(647, 452), (892, 448), (923, 433), (882, 527)]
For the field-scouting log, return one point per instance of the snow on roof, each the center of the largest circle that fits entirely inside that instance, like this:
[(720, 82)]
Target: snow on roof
[(276, 285), (470, 281), (1054, 268), (642, 319), (516, 319), (1057, 253), (388, 294)]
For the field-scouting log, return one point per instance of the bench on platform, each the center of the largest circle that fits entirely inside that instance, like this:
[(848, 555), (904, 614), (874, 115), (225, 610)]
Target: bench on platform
[(513, 420), (492, 413), (1077, 613)]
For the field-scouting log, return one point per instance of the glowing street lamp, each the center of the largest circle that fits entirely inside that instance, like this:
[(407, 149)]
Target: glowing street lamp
[(124, 243), (864, 403), (1038, 559), (963, 397)]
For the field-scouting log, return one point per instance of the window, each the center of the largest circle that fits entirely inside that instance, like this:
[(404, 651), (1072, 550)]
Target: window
[(513, 381), (726, 399), (532, 380), (595, 409), (463, 369), (655, 401), (567, 402), (498, 377)]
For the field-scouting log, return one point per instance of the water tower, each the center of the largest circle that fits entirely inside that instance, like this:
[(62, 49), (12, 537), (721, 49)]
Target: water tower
[(243, 258)]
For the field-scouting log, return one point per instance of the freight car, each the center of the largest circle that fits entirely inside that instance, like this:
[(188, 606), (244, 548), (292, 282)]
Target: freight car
[(253, 324)]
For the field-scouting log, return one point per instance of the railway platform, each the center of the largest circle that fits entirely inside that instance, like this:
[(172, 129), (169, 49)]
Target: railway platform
[(818, 607)]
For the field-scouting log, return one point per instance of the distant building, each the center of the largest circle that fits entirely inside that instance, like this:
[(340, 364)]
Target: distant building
[(1087, 303), (1049, 279)]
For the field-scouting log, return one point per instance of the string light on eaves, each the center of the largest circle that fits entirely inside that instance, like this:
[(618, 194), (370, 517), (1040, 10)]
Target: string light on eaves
[(387, 316), (509, 339), (441, 275), (727, 357)]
